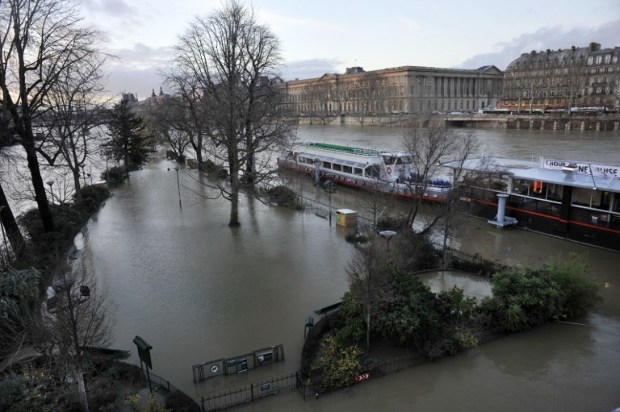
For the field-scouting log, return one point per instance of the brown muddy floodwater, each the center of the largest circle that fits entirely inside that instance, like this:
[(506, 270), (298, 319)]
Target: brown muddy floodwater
[(197, 290)]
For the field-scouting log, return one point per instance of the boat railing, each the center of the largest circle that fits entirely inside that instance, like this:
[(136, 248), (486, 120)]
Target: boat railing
[(343, 149)]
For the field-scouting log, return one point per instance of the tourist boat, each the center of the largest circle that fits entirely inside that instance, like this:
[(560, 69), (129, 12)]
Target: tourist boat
[(578, 201), (371, 169)]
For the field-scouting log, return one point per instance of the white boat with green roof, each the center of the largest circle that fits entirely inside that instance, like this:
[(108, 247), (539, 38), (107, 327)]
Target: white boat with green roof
[(372, 169)]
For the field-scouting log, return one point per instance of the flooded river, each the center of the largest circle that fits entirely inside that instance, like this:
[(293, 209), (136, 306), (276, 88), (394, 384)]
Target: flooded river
[(197, 290)]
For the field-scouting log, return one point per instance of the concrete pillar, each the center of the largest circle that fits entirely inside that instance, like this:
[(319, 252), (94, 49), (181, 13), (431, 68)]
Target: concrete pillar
[(317, 171), (501, 207), (583, 125), (555, 125)]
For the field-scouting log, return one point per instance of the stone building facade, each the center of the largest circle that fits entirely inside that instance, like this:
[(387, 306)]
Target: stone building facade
[(578, 77), (407, 89)]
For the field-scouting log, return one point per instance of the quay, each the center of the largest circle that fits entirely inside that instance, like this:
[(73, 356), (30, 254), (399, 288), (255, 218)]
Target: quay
[(606, 122)]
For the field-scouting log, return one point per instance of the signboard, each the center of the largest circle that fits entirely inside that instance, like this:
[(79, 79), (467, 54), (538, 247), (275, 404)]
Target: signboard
[(605, 171), (362, 377), (144, 351)]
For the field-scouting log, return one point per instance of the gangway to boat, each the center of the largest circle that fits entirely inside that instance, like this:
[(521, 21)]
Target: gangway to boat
[(328, 309)]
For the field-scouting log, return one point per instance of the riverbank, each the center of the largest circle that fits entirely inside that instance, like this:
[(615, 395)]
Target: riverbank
[(521, 121)]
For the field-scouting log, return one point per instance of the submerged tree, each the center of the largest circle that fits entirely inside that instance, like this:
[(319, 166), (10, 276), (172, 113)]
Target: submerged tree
[(232, 59), (369, 279), (75, 108), (39, 40), (429, 148), (185, 118)]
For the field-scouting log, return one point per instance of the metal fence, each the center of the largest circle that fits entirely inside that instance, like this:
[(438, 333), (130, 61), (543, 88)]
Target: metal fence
[(254, 392), (394, 365)]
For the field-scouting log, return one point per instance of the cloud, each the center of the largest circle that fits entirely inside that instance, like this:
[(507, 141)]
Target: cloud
[(308, 69), (278, 20), (137, 69), (114, 8), (546, 38), (409, 24)]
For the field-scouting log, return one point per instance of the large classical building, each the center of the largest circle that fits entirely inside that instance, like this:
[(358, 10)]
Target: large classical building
[(577, 77), (407, 89)]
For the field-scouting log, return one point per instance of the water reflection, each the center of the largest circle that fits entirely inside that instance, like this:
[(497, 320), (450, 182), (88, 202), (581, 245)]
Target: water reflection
[(444, 280)]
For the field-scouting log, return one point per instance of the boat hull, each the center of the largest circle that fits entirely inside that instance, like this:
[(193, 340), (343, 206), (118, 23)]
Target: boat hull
[(400, 190)]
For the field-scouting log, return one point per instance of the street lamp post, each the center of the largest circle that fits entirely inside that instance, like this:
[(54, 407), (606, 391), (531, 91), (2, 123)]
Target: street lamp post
[(50, 183), (387, 235), (330, 188), (178, 187)]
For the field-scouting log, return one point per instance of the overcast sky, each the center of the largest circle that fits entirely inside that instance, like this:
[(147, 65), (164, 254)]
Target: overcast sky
[(326, 36)]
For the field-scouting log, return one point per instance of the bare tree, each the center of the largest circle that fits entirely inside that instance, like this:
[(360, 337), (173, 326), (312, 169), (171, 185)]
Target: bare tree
[(369, 281), (465, 147), (39, 40), (374, 203), (13, 234), (188, 111), (19, 291), (428, 148), (231, 57), (370, 88), (9, 224), (168, 123), (75, 108), (76, 321)]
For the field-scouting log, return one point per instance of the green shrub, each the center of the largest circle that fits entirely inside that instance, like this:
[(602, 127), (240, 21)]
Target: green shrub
[(12, 391), (339, 364), (90, 198), (524, 298), (580, 293), (114, 175), (215, 170), (283, 196), (313, 340), (392, 223)]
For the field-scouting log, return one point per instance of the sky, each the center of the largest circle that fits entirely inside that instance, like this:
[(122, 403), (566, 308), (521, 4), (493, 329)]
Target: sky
[(327, 36)]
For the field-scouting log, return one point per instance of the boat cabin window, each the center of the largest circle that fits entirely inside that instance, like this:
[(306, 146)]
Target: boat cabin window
[(306, 160), (337, 167), (521, 186), (595, 199), (554, 192), (357, 171), (582, 197), (327, 165), (347, 169), (616, 205)]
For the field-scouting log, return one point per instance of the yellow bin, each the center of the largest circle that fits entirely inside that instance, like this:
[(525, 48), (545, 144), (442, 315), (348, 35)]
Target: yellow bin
[(346, 217)]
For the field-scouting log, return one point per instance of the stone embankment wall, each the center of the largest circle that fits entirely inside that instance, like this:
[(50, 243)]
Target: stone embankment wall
[(600, 123), (609, 122)]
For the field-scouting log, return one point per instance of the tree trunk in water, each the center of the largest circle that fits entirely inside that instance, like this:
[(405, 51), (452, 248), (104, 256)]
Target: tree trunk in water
[(234, 198), (39, 189), (234, 210), (12, 229)]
